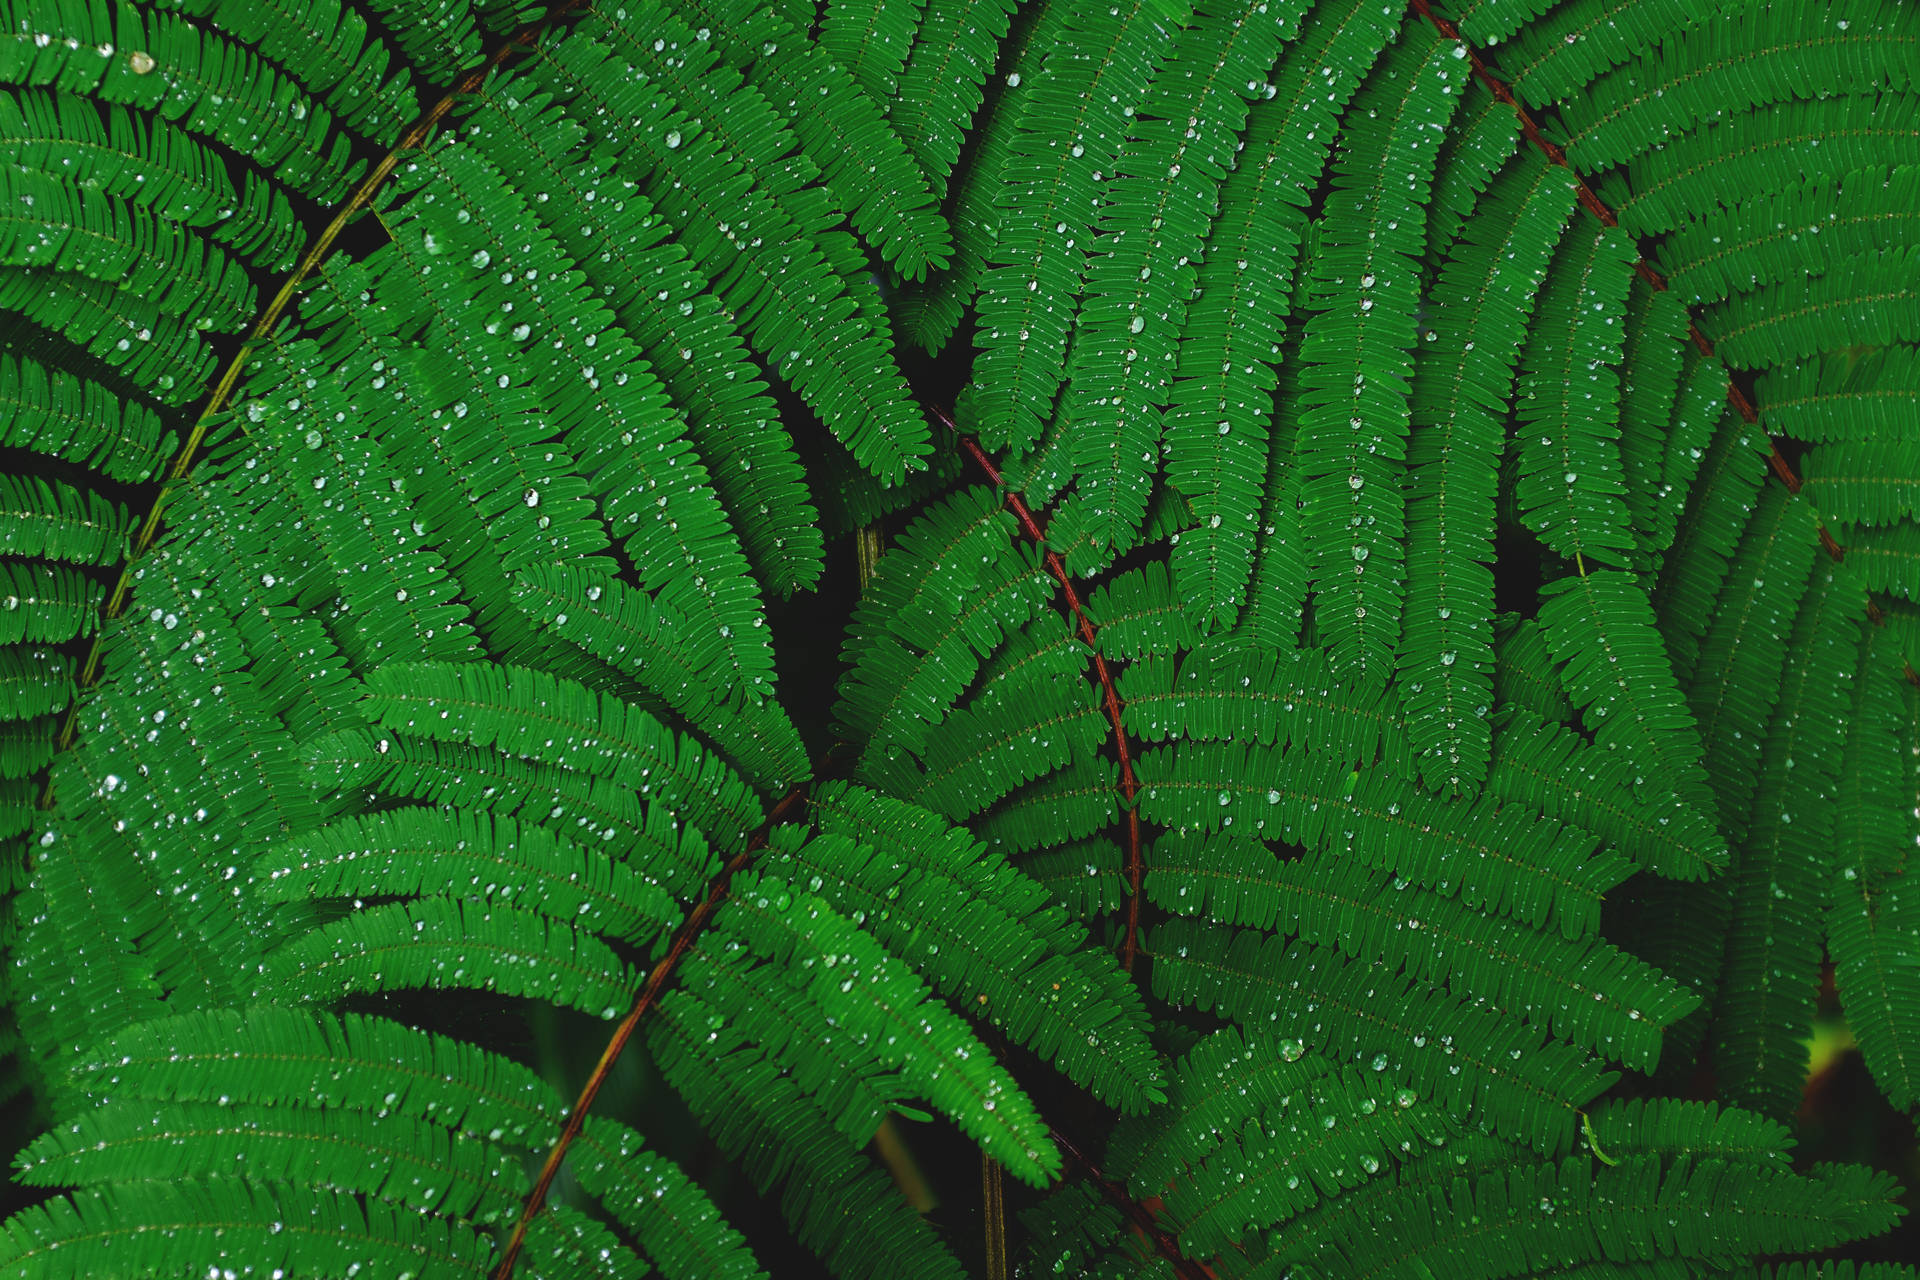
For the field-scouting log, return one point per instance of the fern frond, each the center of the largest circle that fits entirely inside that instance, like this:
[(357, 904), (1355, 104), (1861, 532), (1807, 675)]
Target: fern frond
[(1735, 681), (101, 237), (58, 414), (1463, 376), (1490, 1072), (469, 777), (565, 1244), (1600, 626), (1873, 299), (1780, 55), (1886, 558), (1670, 1127), (1139, 613), (328, 46), (1158, 204), (1518, 1221), (59, 522), (437, 36), (671, 658), (47, 603), (842, 128), (276, 1056), (1584, 992), (1086, 878), (438, 944), (950, 590), (1061, 805), (1571, 488), (1839, 398), (872, 40), (1230, 341), (1863, 482), (1664, 413), (1336, 1132), (1472, 155), (1229, 693), (1722, 494), (127, 333), (413, 851), (1774, 936), (1357, 353), (1003, 952), (528, 713), (669, 1215), (1499, 860), (842, 365), (148, 1227), (822, 953), (1070, 131), (1763, 149), (1872, 915), (208, 84), (1017, 731), (153, 162), (942, 83), (393, 581), (1796, 234), (403, 1162), (1548, 53), (840, 1206), (665, 302), (1551, 769)]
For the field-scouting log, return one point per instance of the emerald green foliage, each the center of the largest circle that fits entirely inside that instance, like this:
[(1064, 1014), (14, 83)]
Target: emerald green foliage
[(1389, 672)]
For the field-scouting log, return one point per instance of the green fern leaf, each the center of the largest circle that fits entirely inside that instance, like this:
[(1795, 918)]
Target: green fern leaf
[(1571, 487), (1499, 860), (841, 127), (1785, 861), (1551, 769), (427, 851), (1462, 380), (840, 1206), (1356, 355), (1233, 327), (148, 1227), (1839, 398), (1584, 992), (393, 1159), (276, 1056), (1352, 1011), (675, 1223), (1871, 917), (1622, 683), (1069, 136), (1864, 482), (529, 713), (933, 1051), (1159, 202), (1005, 953), (149, 160)]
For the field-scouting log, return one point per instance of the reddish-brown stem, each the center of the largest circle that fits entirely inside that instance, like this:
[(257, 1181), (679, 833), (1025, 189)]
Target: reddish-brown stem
[(1031, 526), (1136, 1213), (649, 995), (1736, 395)]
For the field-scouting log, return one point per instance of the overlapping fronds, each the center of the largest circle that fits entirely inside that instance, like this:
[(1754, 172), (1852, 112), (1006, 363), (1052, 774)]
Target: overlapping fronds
[(1388, 585)]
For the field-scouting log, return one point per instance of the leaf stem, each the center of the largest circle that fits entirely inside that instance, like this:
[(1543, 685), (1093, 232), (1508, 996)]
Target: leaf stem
[(1138, 1214), (1031, 526), (649, 995), (1736, 395)]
